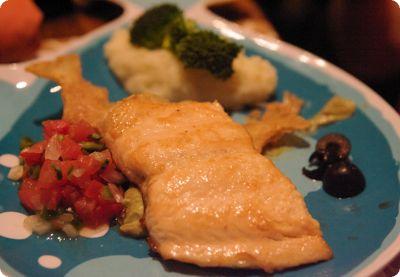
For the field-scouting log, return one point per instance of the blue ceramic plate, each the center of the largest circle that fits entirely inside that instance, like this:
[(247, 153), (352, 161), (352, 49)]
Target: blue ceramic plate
[(363, 231)]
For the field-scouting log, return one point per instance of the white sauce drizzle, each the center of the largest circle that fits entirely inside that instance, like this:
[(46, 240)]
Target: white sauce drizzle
[(12, 226), (9, 160), (49, 261), (94, 233)]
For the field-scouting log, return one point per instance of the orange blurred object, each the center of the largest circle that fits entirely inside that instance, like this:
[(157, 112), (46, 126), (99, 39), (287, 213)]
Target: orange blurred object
[(19, 34)]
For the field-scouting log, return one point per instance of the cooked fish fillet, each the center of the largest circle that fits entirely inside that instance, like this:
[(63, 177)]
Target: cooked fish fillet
[(211, 199)]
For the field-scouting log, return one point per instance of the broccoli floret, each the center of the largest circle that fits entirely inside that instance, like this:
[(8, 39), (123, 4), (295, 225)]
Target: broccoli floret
[(206, 50), (178, 30), (165, 27), (150, 29)]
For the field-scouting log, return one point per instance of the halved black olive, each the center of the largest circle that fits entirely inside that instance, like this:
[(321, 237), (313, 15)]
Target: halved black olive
[(316, 173), (334, 147), (343, 179), (316, 159), (316, 167)]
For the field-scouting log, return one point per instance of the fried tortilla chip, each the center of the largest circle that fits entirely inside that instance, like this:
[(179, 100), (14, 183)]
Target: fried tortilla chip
[(336, 109), (280, 118)]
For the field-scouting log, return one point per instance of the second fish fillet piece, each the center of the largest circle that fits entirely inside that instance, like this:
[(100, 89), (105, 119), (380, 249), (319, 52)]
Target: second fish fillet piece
[(210, 198)]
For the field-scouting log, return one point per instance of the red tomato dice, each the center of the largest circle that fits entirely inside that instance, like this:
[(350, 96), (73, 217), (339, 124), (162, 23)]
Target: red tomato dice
[(51, 197), (70, 150), (30, 195), (115, 209), (108, 211), (85, 208), (67, 168), (90, 164), (93, 190), (51, 174), (81, 131), (69, 177), (34, 154), (53, 127), (70, 195), (85, 170), (111, 175)]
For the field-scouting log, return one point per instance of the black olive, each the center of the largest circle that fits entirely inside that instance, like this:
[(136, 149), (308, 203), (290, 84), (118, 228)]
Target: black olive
[(315, 173), (316, 159), (333, 147), (330, 163), (343, 179), (316, 167)]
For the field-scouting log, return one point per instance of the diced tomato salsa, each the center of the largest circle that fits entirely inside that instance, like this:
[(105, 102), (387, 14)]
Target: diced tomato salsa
[(64, 172)]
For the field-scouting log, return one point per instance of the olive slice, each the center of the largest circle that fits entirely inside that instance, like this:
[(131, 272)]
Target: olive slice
[(316, 166), (343, 179), (316, 159), (315, 173), (334, 147)]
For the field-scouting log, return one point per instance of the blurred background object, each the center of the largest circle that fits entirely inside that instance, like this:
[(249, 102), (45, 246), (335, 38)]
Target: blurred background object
[(360, 36), (245, 13), (42, 26), (67, 18), (20, 22)]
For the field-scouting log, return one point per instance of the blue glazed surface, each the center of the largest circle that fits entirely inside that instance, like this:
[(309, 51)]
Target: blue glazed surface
[(357, 229)]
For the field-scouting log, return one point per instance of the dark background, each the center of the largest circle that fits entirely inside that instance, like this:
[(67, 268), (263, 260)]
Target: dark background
[(360, 36)]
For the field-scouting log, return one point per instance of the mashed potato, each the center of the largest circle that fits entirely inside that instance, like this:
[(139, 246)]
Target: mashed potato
[(161, 73)]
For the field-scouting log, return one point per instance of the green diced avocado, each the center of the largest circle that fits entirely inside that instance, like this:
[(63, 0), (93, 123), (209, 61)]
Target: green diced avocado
[(91, 146), (25, 142), (134, 210)]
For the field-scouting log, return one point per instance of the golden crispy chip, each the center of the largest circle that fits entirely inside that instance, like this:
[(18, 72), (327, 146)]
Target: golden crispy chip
[(268, 131), (82, 100), (285, 143), (336, 109), (254, 115), (290, 104), (62, 70), (280, 118)]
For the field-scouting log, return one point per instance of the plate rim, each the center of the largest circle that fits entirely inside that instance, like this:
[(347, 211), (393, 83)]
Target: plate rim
[(286, 50), (201, 14)]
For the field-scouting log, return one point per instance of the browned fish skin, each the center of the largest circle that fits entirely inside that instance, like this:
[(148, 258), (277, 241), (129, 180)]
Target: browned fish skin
[(211, 199)]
